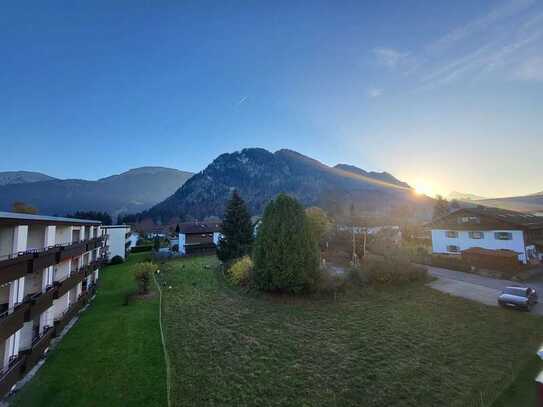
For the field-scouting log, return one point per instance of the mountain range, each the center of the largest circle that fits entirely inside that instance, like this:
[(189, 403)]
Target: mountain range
[(259, 175), (132, 191), (525, 203)]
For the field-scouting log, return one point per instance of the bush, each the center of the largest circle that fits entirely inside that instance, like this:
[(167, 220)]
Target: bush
[(239, 272), (139, 249), (286, 256), (175, 248), (388, 272), (142, 274), (116, 260)]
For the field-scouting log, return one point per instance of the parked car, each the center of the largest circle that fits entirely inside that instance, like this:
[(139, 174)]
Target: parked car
[(519, 297)]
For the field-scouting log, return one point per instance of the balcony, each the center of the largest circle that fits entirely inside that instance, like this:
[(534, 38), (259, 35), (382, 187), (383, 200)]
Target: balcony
[(12, 322), (39, 345), (72, 250), (15, 266), (92, 244), (39, 302), (10, 376), (45, 258), (68, 283)]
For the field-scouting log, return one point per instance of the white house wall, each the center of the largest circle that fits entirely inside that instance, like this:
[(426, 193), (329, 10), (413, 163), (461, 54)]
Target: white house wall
[(117, 241), (440, 241)]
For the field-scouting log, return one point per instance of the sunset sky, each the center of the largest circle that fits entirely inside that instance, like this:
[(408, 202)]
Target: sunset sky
[(443, 95)]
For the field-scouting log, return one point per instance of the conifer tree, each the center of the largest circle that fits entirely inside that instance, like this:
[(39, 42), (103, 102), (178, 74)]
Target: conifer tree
[(237, 230), (286, 256)]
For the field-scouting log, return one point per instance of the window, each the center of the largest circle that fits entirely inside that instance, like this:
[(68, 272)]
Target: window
[(451, 234), (476, 235), (453, 249), (468, 219), (503, 236)]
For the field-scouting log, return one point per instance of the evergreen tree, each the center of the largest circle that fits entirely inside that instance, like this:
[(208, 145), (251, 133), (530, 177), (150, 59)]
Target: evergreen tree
[(177, 229), (237, 230), (286, 256), (441, 207)]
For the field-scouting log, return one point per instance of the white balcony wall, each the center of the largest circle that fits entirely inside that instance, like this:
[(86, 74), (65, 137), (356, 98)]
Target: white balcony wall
[(60, 306), (11, 347), (16, 292), (36, 237), (20, 238), (26, 335), (47, 277), (6, 240), (62, 270), (33, 283), (50, 236), (63, 235)]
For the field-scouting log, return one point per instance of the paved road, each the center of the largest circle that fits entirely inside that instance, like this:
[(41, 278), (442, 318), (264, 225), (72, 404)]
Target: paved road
[(477, 288)]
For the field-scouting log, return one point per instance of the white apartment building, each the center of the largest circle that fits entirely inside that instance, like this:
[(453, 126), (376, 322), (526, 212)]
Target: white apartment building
[(490, 229), (118, 240), (49, 267)]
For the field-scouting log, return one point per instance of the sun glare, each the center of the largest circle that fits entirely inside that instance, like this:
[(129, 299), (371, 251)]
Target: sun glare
[(424, 188)]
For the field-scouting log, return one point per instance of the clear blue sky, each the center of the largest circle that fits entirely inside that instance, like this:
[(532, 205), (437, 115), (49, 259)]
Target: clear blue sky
[(445, 96)]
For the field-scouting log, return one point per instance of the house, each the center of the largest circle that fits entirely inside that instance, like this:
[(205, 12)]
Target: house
[(491, 229), (118, 240), (49, 268), (199, 237)]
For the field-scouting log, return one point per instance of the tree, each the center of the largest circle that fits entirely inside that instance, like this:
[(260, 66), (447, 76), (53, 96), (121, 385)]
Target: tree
[(318, 221), (237, 230), (177, 229), (441, 207), (156, 244), (455, 204), (103, 217), (142, 274), (21, 207), (286, 256)]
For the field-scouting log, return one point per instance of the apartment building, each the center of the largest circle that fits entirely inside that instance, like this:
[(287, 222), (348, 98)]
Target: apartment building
[(49, 267), (118, 240)]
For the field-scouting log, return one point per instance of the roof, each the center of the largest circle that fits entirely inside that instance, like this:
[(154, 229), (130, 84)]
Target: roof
[(200, 227), (493, 253), (116, 226), (488, 218), (24, 218)]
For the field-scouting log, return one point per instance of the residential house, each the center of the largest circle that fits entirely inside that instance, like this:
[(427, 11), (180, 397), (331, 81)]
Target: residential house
[(48, 271), (199, 237), (491, 229)]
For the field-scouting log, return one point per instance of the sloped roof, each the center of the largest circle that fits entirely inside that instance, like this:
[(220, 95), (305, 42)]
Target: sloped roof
[(200, 227)]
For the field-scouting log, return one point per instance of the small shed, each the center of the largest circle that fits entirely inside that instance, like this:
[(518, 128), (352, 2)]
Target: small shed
[(505, 260)]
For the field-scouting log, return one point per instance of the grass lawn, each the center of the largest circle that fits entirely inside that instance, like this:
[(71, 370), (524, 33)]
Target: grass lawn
[(522, 392), (111, 357), (410, 346)]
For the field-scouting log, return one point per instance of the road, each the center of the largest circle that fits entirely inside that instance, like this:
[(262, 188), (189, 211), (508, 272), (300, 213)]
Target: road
[(477, 288)]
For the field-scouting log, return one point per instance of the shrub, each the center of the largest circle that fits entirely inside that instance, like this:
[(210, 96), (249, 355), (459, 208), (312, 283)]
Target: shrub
[(116, 260), (142, 274), (286, 256), (239, 272), (139, 249), (175, 248), (388, 272)]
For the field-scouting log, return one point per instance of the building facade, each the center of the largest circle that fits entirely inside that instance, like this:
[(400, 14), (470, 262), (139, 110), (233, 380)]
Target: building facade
[(199, 238), (49, 267), (118, 240), (490, 229)]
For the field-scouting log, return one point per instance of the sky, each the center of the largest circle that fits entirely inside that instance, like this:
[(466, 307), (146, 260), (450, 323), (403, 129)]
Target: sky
[(444, 95)]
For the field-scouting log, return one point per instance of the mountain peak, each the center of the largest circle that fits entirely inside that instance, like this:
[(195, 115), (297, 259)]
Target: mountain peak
[(22, 177)]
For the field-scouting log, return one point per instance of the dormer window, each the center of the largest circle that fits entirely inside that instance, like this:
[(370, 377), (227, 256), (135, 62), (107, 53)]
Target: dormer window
[(468, 219)]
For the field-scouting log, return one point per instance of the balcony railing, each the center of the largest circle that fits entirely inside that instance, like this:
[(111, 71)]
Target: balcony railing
[(37, 350), (12, 320), (40, 302), (69, 282), (15, 266), (12, 374)]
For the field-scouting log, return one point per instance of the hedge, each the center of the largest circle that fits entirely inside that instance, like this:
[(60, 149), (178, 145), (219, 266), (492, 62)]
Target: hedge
[(143, 248)]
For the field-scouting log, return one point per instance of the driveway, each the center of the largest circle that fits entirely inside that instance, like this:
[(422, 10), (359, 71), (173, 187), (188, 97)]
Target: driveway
[(477, 288)]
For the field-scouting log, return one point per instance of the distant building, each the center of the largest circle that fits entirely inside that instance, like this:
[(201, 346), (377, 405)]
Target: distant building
[(133, 238), (199, 238), (48, 271), (118, 240), (491, 229)]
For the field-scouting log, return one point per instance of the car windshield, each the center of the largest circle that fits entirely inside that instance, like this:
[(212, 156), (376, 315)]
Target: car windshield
[(520, 292)]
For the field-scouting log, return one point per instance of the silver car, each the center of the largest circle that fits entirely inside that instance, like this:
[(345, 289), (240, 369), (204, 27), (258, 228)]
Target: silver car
[(518, 297)]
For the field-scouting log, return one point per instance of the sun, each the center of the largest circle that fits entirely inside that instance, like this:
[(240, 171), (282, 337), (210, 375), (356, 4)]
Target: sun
[(424, 188)]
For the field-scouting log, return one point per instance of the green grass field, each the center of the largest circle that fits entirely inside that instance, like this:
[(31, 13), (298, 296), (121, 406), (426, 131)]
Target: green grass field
[(111, 357), (408, 346)]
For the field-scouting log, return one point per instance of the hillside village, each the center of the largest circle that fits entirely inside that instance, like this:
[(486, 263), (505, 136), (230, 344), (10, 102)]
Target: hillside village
[(462, 257)]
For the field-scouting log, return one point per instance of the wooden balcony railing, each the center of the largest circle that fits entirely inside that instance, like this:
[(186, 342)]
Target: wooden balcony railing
[(11, 322), (10, 376)]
